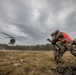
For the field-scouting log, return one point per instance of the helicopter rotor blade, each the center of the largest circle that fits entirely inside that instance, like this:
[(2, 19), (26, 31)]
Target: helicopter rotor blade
[(7, 35)]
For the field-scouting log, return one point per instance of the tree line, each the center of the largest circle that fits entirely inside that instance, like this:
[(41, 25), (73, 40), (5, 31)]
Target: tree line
[(46, 47)]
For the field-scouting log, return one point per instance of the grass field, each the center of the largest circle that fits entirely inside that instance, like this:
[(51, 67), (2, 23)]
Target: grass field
[(31, 63)]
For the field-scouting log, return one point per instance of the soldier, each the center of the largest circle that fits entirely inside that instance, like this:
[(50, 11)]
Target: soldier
[(64, 42)]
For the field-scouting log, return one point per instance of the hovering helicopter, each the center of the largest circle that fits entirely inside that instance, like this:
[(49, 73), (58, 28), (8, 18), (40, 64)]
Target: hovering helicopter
[(12, 39)]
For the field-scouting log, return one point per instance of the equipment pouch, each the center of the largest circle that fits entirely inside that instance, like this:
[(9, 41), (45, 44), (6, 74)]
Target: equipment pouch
[(74, 41)]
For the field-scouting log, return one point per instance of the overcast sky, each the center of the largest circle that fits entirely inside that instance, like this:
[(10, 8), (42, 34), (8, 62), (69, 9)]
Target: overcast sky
[(34, 20)]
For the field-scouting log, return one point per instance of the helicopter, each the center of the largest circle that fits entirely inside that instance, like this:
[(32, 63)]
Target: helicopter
[(12, 39)]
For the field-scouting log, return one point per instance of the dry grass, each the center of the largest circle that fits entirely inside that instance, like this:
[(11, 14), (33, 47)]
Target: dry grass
[(31, 63)]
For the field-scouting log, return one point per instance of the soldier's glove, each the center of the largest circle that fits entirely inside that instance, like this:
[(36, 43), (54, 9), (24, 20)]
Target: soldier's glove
[(49, 40)]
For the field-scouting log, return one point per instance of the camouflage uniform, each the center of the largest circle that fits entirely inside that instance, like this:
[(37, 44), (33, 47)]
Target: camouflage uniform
[(63, 44), (73, 47)]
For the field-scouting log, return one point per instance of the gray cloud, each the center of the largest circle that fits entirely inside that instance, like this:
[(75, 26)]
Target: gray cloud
[(34, 20)]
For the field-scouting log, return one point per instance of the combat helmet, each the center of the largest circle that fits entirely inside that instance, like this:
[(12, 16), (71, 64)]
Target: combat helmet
[(55, 32)]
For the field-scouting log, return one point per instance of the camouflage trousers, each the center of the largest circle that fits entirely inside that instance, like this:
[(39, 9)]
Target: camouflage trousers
[(63, 48)]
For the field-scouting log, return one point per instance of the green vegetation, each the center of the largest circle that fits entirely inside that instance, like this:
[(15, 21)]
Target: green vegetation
[(31, 63), (47, 47)]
